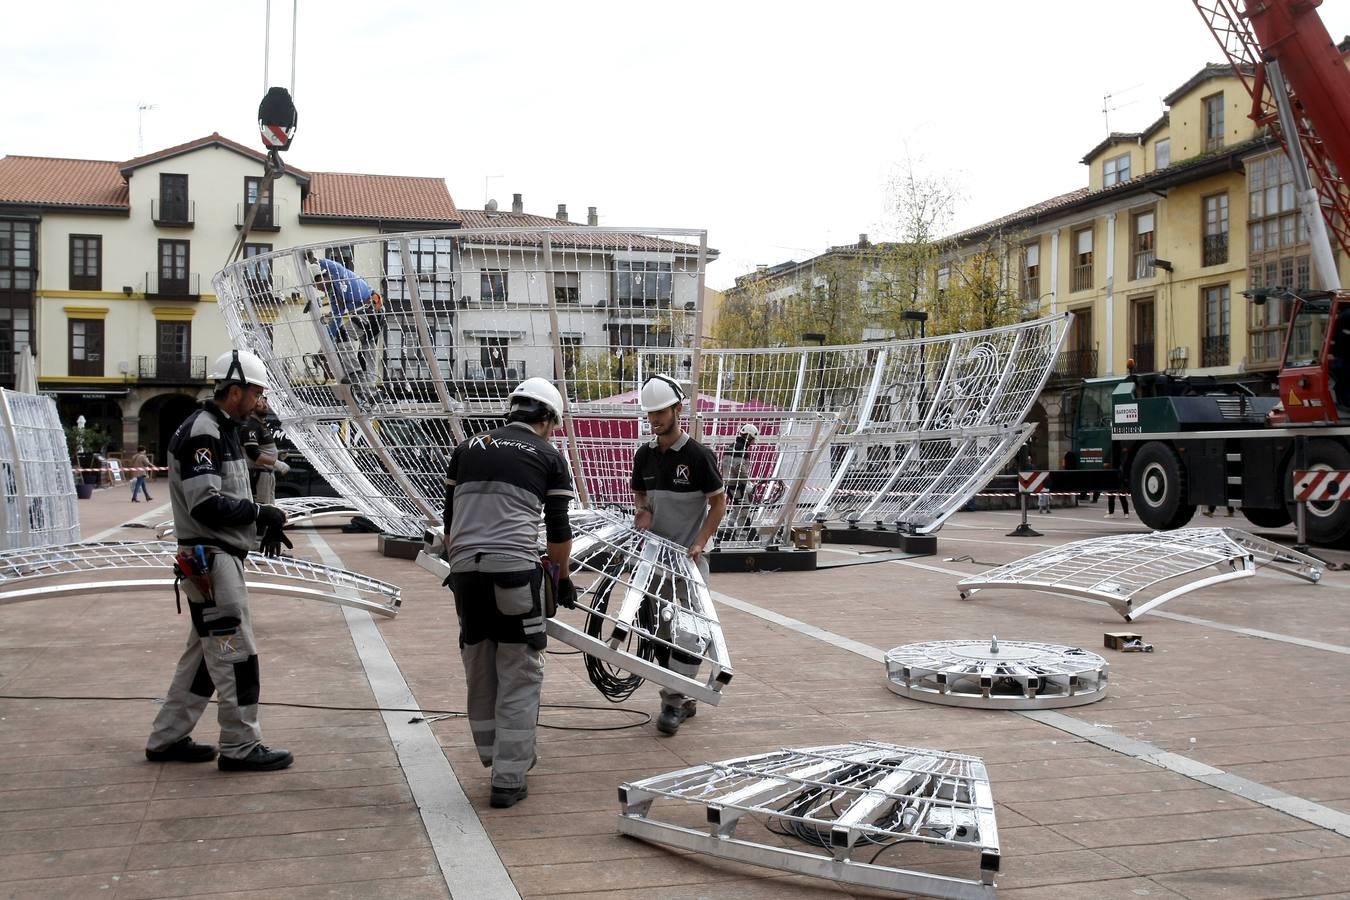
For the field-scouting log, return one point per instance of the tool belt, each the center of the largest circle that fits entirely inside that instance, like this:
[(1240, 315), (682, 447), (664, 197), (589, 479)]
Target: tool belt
[(192, 564)]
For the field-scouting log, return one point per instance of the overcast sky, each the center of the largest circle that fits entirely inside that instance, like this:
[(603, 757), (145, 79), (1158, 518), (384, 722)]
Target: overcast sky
[(777, 127)]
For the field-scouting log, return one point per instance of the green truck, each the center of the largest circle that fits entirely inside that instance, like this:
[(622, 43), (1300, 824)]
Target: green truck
[(1178, 443)]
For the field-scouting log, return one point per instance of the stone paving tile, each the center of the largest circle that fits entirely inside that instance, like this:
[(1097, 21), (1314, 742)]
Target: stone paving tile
[(1160, 829), (60, 888), (92, 861), (1309, 878), (414, 888), (1124, 888), (341, 841), (1214, 853), (277, 875)]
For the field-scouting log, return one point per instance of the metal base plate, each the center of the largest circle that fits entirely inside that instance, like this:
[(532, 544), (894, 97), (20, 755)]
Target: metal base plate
[(996, 674)]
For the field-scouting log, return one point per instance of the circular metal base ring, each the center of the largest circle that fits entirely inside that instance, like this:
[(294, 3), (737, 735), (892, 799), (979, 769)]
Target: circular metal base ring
[(997, 674)]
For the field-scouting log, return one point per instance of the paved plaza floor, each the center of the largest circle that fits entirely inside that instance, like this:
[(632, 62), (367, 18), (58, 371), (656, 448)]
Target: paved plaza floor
[(1217, 766)]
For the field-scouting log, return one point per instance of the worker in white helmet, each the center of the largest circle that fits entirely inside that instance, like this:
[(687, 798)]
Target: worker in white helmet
[(216, 523), (497, 486), (736, 468), (678, 494)]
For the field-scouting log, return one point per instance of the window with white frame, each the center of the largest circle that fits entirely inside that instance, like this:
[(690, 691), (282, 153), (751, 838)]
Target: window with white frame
[(1116, 170), (1143, 245), (1162, 153)]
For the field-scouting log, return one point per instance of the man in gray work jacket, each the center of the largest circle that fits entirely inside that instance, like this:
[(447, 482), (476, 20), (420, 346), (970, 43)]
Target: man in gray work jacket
[(678, 494), (216, 522), (496, 487)]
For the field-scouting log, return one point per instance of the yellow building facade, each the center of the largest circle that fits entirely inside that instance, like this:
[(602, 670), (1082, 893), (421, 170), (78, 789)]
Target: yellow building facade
[(1154, 255)]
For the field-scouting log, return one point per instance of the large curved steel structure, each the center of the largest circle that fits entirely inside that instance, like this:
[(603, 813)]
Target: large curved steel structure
[(377, 391)]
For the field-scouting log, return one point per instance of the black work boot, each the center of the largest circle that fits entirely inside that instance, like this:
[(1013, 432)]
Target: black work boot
[(183, 750), (506, 797), (262, 759), (672, 717)]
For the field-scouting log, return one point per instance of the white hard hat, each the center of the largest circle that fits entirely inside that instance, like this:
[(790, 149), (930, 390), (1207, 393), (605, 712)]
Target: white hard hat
[(315, 271), (658, 393), (542, 390), (240, 367), (750, 430)]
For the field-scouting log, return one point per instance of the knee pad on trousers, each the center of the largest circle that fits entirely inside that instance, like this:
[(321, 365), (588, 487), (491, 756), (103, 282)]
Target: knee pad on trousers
[(247, 681)]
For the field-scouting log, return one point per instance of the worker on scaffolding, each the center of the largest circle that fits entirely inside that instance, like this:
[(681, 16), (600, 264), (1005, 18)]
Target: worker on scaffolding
[(736, 471), (496, 486), (353, 316), (678, 495), (264, 458), (216, 523)]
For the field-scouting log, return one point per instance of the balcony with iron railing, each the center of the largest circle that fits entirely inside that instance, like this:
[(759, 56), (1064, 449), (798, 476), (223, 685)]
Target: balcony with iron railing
[(1082, 278), (188, 287), (1075, 365), (1214, 350), (170, 368), (269, 216), (174, 213), (1143, 356), (1215, 249)]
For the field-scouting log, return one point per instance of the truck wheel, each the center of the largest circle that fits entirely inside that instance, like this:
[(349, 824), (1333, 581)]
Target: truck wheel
[(1158, 487), (1268, 518), (1328, 522)]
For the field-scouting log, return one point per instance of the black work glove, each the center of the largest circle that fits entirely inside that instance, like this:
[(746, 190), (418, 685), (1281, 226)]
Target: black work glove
[(271, 542), (270, 517), (567, 594)]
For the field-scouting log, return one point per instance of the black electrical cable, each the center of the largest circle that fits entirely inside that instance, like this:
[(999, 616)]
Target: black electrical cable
[(420, 714)]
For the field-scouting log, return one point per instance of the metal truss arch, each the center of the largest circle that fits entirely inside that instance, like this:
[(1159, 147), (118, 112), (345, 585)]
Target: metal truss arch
[(37, 573), (377, 392), (1135, 573)]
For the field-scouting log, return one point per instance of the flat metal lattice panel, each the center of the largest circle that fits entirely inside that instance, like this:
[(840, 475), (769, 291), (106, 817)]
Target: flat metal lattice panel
[(301, 512), (1135, 573), (996, 674), (867, 813), (42, 572)]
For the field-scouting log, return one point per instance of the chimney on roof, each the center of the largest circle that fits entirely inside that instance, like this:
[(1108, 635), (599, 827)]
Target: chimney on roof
[(491, 206), (862, 240), (562, 212), (517, 204), (592, 217)]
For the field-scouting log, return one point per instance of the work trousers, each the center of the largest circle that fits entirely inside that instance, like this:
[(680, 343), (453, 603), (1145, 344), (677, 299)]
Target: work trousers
[(265, 487), (501, 643), (220, 658), (676, 629)]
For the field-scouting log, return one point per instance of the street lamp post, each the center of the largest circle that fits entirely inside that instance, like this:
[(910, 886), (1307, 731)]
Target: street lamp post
[(920, 316), (818, 339)]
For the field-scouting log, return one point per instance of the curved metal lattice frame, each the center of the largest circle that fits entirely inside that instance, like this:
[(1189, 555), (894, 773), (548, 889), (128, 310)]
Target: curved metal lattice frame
[(51, 571), (301, 512), (833, 812), (1118, 568), (38, 484), (628, 581), (996, 674), (898, 432)]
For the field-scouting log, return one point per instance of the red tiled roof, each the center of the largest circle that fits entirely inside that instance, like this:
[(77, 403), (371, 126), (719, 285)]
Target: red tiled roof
[(600, 240), (1030, 212), (61, 182), (346, 196), (212, 139)]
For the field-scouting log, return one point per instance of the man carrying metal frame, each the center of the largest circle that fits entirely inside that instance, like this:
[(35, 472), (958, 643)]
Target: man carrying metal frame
[(496, 487), (678, 494), (216, 523)]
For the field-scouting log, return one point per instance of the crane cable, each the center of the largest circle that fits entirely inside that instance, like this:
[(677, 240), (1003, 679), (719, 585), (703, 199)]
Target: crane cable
[(274, 168)]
